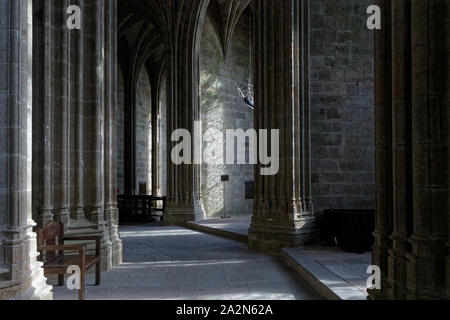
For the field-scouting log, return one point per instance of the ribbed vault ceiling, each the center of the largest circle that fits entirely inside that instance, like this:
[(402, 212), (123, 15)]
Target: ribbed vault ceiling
[(144, 27)]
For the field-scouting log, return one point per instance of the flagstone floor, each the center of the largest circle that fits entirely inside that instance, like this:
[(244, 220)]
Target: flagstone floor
[(181, 264)]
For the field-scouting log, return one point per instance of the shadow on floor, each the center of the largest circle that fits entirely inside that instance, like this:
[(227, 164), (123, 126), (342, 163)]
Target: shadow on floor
[(182, 264)]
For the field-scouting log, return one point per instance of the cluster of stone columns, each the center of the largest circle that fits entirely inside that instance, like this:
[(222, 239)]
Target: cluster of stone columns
[(182, 29), (58, 114), (412, 113), (283, 207), (180, 25), (283, 211), (146, 51), (21, 276), (74, 121)]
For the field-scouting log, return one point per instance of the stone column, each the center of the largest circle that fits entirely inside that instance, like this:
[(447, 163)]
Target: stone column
[(130, 127), (21, 276), (448, 168), (77, 93), (429, 41), (43, 210), (412, 137), (183, 32), (155, 146), (111, 210), (74, 121), (95, 113), (383, 142), (156, 71), (401, 148), (156, 94), (283, 213)]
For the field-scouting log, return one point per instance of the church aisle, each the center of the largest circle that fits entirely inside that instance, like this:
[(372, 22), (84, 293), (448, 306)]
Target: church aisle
[(176, 263)]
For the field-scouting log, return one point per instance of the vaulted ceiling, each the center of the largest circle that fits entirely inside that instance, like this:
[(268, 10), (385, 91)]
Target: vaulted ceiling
[(225, 15), (145, 25), (141, 41)]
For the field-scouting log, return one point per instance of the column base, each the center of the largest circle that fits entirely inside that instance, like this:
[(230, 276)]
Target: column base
[(111, 254), (448, 272), (425, 266), (112, 237), (267, 235), (23, 277), (180, 215), (116, 250), (379, 295), (397, 277), (35, 288), (114, 255), (380, 258)]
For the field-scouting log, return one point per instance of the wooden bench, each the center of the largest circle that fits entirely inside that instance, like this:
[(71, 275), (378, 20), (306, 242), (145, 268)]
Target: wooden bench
[(53, 254), (140, 208)]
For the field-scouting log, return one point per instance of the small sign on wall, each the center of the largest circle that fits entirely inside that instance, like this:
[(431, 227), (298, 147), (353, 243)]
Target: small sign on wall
[(225, 179), (250, 190)]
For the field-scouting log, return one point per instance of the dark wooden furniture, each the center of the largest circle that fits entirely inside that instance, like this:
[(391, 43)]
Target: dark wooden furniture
[(56, 260), (249, 190), (143, 189), (351, 230), (140, 209)]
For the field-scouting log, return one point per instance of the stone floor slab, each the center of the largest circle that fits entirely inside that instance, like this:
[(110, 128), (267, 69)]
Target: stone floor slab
[(335, 274), (181, 264)]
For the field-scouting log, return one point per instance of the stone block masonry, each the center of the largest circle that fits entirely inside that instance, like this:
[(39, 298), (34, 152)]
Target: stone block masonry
[(342, 106), (222, 109)]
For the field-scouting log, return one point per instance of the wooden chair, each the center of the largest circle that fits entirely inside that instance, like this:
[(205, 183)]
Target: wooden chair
[(51, 241)]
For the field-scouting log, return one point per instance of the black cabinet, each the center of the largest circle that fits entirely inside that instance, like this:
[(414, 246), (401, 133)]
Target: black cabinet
[(351, 230)]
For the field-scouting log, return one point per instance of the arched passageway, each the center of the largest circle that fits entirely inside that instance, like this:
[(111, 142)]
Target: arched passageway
[(66, 111)]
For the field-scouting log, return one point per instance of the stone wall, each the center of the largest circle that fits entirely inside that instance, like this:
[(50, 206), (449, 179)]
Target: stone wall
[(342, 106), (222, 108), (143, 131)]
